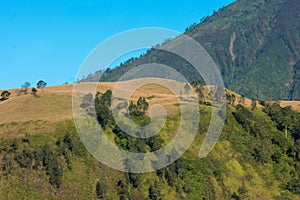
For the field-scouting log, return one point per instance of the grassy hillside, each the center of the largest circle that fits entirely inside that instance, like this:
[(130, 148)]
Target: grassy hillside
[(257, 156)]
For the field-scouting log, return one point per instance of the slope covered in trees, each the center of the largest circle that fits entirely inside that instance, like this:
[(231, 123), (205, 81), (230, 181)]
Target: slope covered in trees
[(255, 44), (257, 157)]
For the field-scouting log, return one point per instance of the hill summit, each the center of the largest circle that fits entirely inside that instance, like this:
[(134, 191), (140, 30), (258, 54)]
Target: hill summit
[(255, 44)]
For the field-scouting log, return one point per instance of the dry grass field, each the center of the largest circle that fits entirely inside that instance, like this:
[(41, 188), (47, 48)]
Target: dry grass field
[(54, 103), (294, 104)]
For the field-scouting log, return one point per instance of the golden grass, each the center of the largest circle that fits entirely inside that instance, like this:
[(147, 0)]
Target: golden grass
[(54, 103), (295, 105), (47, 106)]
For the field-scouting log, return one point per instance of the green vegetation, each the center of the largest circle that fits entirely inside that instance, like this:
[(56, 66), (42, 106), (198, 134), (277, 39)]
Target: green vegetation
[(246, 40), (257, 157), (137, 111)]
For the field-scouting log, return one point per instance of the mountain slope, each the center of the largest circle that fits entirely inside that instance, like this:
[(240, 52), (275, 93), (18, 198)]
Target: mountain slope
[(256, 45), (255, 157)]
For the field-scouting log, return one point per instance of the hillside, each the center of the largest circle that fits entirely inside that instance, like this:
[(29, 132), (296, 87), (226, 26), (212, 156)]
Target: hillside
[(256, 157), (255, 44), (59, 102)]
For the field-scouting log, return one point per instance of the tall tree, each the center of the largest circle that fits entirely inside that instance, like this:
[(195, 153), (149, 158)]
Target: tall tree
[(102, 107)]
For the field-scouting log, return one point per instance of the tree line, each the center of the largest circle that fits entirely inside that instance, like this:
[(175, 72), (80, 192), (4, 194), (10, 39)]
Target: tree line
[(24, 89)]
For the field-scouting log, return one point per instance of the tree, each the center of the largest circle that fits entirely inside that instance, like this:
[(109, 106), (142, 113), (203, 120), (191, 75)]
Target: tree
[(68, 140), (140, 108), (134, 179), (187, 89), (41, 84), (52, 166), (5, 94), (253, 104), (102, 107), (34, 91), (100, 189), (200, 94), (142, 105), (154, 192), (294, 186), (243, 116), (25, 86)]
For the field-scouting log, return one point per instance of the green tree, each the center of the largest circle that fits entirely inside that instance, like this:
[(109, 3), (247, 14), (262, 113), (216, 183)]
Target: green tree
[(102, 107), (5, 95), (41, 84), (134, 179), (243, 116), (187, 89), (200, 94), (69, 141), (87, 101), (52, 166), (100, 189), (140, 108), (142, 105), (154, 192), (34, 91), (294, 186)]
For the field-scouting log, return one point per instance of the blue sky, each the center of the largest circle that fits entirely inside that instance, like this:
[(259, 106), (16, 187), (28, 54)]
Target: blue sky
[(49, 40)]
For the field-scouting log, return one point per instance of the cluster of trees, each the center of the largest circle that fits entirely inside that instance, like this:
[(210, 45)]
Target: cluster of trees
[(26, 85), (269, 145), (288, 121), (26, 155), (126, 142), (40, 85), (138, 109), (216, 94), (137, 113), (102, 107), (262, 144)]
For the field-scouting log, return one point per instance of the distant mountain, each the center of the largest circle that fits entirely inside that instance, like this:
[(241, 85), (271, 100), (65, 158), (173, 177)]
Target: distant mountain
[(256, 45)]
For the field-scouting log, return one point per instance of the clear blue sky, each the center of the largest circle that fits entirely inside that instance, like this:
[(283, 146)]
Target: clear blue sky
[(43, 39)]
